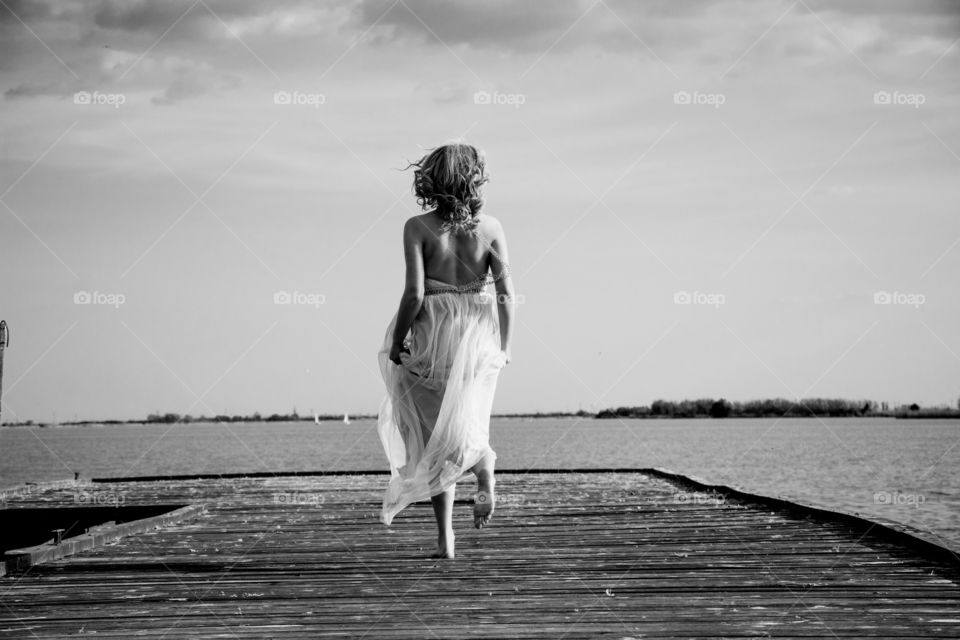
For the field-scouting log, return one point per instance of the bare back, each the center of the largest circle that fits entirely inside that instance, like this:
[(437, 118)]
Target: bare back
[(456, 257)]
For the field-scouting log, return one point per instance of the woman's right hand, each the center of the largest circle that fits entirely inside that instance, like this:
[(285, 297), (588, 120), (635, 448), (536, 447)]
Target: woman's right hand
[(395, 352)]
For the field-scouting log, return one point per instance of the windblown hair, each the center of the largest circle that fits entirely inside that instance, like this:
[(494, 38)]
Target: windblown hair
[(449, 179)]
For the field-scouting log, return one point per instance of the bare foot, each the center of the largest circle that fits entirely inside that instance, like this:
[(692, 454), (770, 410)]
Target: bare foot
[(445, 545), (483, 504)]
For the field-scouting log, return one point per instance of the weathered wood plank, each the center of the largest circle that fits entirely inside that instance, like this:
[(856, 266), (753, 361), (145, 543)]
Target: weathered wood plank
[(620, 554)]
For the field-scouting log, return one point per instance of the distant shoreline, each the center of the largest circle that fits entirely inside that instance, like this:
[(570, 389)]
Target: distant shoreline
[(168, 419), (704, 409), (778, 408)]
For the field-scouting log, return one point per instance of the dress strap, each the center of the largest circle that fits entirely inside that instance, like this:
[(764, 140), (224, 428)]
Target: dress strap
[(474, 286)]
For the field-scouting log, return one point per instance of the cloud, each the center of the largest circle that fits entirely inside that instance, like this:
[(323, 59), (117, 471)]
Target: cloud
[(521, 26), (181, 89), (446, 92), (934, 8), (671, 29), (157, 17), (214, 18), (26, 10), (288, 22), (140, 15), (563, 25), (191, 80), (898, 25), (103, 40), (182, 78), (36, 90)]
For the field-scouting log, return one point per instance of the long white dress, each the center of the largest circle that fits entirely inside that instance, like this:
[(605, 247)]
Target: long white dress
[(434, 422)]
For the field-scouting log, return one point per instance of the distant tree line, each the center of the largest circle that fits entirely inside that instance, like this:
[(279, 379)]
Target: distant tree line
[(778, 407), (548, 414), (170, 418)]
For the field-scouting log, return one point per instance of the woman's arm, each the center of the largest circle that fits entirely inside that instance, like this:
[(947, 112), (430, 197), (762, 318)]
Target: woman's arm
[(499, 266), (412, 299)]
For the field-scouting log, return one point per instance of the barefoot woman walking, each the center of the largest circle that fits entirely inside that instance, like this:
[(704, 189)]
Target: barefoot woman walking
[(446, 345)]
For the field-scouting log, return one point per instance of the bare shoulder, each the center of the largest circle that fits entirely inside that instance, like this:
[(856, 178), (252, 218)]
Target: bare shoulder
[(415, 226), (490, 226)]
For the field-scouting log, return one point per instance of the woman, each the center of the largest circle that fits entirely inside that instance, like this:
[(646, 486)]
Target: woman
[(446, 345)]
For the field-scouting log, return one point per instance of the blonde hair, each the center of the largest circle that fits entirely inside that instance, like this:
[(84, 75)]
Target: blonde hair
[(449, 178)]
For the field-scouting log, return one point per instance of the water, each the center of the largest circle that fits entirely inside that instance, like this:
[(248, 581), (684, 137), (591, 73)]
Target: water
[(895, 470)]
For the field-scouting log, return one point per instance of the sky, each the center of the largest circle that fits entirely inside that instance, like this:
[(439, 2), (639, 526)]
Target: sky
[(736, 199)]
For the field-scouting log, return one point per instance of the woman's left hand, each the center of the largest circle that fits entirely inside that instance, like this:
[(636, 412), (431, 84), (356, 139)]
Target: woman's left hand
[(395, 352)]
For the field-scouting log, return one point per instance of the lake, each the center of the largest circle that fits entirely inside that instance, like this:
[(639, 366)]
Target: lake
[(897, 470)]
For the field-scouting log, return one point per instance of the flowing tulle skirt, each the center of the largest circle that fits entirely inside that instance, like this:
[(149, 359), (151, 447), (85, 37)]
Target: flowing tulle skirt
[(434, 422)]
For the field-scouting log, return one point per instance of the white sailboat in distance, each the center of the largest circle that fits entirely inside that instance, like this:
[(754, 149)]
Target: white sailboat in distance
[(346, 418)]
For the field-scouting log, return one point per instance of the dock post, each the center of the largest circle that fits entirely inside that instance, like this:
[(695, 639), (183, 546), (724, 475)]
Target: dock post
[(4, 341)]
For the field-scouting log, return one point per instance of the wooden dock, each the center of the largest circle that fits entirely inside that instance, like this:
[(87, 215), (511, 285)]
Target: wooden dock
[(570, 555)]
